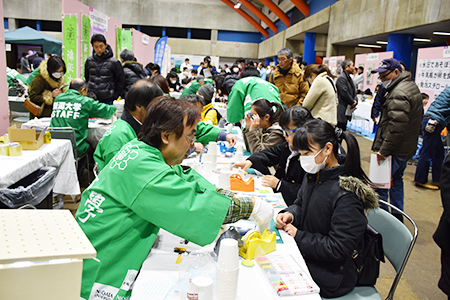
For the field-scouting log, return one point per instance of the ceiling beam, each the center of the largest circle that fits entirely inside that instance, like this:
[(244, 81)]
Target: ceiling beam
[(277, 11), (260, 15), (248, 18), (302, 6)]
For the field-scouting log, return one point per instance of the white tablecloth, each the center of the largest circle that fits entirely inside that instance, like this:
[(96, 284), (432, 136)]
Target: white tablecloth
[(95, 132), (160, 266), (176, 95), (361, 121), (58, 154)]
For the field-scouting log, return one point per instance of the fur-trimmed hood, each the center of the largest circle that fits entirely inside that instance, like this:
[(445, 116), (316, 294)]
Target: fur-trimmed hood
[(361, 190), (44, 73)]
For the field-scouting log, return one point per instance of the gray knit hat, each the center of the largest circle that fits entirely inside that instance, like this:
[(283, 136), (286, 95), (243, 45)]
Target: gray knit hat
[(207, 91)]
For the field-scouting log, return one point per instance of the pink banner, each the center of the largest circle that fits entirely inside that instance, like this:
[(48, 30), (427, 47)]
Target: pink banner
[(143, 47), (369, 62), (4, 105), (432, 73)]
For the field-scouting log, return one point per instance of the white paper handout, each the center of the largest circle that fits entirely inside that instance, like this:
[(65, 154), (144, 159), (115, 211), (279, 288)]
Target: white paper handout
[(380, 174)]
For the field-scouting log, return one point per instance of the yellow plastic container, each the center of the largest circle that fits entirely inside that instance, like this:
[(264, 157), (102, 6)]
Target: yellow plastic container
[(257, 245), (15, 149)]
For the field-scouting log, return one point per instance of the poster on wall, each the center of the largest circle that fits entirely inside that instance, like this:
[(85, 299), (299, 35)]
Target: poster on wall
[(371, 61), (98, 19), (70, 47), (85, 36), (433, 71), (334, 64)]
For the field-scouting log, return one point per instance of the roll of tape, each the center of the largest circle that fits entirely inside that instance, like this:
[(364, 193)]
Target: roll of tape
[(251, 234)]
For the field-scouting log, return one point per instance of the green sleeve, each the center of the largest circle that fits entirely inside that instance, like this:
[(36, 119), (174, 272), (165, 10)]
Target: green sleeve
[(206, 133), (183, 204), (235, 107), (100, 110), (32, 75)]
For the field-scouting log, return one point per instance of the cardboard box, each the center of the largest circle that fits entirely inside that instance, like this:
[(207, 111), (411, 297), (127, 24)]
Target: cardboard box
[(28, 138)]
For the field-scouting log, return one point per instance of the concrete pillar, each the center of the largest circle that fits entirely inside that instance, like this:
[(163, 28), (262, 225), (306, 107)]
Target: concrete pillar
[(309, 52), (402, 45), (214, 36), (5, 23), (12, 24), (139, 28), (295, 46), (189, 34), (268, 61), (38, 25), (164, 31)]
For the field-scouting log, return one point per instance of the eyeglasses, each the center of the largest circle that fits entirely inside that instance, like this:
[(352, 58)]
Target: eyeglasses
[(192, 139), (288, 132), (385, 75), (283, 58)]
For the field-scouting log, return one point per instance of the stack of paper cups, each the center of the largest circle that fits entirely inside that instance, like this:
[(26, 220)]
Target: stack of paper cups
[(207, 168), (224, 178), (227, 271), (201, 288), (212, 148)]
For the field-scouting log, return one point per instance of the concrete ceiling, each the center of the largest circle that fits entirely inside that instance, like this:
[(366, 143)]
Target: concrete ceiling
[(322, 29), (424, 32)]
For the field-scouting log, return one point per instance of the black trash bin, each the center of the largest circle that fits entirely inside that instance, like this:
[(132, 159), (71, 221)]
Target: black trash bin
[(36, 189)]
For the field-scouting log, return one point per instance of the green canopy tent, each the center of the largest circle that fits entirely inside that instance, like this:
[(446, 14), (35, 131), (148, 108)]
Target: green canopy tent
[(27, 35)]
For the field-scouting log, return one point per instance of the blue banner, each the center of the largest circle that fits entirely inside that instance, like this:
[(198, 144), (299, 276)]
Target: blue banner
[(160, 48)]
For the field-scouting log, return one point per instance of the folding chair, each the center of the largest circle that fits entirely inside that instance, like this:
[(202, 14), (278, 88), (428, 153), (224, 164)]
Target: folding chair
[(68, 133), (398, 243), (17, 106)]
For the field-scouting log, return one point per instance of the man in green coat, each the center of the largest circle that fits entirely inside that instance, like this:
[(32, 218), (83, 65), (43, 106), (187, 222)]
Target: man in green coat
[(246, 90), (127, 128), (143, 189), (73, 109), (194, 85)]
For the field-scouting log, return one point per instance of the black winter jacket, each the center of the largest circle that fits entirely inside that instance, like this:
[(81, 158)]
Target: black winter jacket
[(104, 75), (329, 216), (442, 234), (133, 72), (401, 118), (277, 156)]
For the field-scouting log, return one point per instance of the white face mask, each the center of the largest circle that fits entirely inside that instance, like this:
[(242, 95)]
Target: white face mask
[(57, 75), (308, 163), (173, 81), (387, 83), (235, 70)]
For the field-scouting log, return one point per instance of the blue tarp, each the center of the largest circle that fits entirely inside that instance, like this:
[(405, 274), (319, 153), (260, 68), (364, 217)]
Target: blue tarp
[(26, 35)]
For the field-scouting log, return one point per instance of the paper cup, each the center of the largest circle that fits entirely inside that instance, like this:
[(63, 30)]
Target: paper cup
[(201, 288), (207, 168), (212, 148), (238, 157), (226, 283), (240, 149), (228, 254), (224, 179), (229, 128)]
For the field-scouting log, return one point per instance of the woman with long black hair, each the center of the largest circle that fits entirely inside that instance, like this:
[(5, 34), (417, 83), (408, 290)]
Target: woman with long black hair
[(327, 220)]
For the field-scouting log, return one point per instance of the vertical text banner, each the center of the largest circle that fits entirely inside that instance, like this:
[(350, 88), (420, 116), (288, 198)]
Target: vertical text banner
[(85, 36), (160, 48), (118, 42), (70, 47), (127, 39)]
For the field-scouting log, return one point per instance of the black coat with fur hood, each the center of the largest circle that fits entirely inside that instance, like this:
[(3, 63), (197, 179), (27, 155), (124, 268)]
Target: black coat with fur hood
[(41, 89), (329, 215)]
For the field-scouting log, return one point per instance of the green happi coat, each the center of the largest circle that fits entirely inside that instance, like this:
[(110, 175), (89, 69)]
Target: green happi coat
[(117, 135), (244, 92), (71, 109), (122, 210)]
